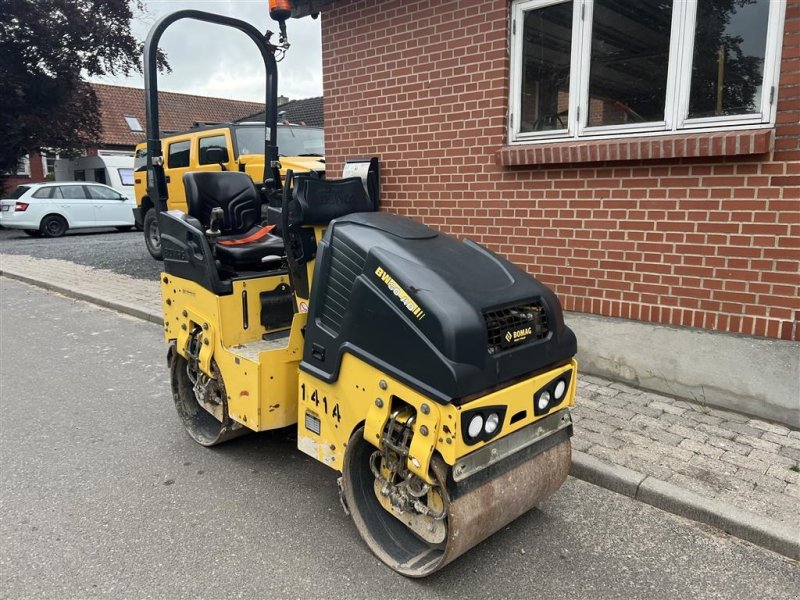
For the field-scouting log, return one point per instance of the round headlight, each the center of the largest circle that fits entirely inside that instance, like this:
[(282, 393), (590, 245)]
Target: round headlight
[(543, 401), (475, 426), (561, 387), (492, 421)]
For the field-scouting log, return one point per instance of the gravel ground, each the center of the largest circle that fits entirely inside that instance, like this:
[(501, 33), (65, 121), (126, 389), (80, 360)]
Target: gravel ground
[(123, 253)]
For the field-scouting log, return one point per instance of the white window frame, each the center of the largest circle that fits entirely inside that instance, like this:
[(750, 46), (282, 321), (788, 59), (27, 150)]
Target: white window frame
[(23, 166), (679, 71)]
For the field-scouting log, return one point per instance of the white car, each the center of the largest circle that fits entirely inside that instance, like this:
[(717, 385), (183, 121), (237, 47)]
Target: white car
[(49, 209)]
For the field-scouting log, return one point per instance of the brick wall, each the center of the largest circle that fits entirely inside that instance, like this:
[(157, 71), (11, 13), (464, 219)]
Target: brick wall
[(8, 183), (711, 240)]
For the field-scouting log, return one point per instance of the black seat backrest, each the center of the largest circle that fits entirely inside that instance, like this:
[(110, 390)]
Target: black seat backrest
[(232, 191), (319, 201)]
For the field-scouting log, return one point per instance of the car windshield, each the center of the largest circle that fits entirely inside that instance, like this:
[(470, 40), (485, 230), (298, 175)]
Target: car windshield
[(292, 140), (17, 192)]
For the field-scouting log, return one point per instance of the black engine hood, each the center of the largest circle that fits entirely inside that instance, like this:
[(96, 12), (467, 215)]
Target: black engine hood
[(449, 318)]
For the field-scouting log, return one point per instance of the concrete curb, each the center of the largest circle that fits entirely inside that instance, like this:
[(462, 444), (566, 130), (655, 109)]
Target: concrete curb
[(773, 535), (776, 536), (117, 305)]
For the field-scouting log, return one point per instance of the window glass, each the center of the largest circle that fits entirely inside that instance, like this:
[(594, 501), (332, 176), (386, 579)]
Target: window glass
[(140, 160), (125, 176), (218, 142), (546, 52), (24, 166), (80, 175), (101, 193), (100, 175), (629, 61), (17, 192), (73, 192), (178, 155), (45, 192), (133, 123), (49, 163), (292, 141), (728, 62)]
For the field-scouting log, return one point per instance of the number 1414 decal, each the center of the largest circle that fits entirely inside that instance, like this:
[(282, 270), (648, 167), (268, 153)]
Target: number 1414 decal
[(335, 413)]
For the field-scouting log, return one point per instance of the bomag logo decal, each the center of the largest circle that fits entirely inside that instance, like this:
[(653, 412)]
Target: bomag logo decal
[(518, 335), (400, 293)]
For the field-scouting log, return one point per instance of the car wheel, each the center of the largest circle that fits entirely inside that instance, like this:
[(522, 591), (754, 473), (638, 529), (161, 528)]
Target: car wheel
[(53, 226), (152, 236), (124, 228), (33, 232)]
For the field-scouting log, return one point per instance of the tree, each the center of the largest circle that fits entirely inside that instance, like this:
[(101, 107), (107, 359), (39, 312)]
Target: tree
[(47, 47)]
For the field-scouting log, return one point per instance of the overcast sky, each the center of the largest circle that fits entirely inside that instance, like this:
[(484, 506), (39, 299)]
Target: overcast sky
[(211, 60)]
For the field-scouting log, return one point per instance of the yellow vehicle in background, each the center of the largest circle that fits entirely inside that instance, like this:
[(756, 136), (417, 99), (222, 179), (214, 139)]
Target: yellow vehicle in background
[(220, 147)]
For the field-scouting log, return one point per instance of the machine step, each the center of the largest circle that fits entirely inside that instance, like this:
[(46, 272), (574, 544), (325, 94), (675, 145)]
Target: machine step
[(252, 350)]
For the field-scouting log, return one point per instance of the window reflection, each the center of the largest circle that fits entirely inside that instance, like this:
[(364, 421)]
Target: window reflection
[(728, 61), (547, 47), (629, 62)]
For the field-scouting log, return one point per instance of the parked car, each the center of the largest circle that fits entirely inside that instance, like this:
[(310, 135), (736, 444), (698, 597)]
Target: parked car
[(50, 209)]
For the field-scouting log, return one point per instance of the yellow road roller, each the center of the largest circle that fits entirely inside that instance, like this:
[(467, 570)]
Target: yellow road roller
[(434, 375)]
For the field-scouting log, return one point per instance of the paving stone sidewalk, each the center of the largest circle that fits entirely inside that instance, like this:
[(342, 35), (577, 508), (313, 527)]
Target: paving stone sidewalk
[(747, 463)]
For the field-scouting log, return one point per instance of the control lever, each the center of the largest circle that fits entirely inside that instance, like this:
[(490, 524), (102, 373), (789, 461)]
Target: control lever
[(213, 231)]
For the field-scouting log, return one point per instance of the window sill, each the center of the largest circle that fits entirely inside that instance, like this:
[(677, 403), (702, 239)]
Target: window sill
[(684, 145)]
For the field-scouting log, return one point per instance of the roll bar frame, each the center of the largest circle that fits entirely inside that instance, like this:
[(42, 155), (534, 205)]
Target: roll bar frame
[(157, 184)]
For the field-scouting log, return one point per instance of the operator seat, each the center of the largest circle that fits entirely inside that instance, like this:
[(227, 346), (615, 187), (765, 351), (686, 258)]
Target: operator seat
[(244, 242)]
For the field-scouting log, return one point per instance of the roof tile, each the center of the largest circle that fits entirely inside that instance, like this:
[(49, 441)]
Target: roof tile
[(176, 111)]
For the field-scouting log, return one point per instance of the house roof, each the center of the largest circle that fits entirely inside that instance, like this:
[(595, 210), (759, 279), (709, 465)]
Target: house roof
[(176, 112), (307, 110)]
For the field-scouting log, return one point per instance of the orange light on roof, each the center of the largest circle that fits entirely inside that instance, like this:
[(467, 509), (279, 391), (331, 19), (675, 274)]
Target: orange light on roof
[(280, 10)]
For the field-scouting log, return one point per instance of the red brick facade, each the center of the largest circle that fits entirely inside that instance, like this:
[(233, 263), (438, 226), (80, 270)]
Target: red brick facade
[(692, 230), (36, 174)]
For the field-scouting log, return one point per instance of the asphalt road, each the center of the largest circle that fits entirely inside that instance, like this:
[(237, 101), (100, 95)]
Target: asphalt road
[(102, 494), (122, 253)]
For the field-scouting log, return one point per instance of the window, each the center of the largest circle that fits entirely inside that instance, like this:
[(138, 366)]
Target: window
[(133, 123), (80, 175), (582, 68), (125, 176), (17, 192), (24, 166), (217, 142), (100, 193), (49, 163), (178, 155), (100, 175), (292, 140), (45, 192), (73, 192), (140, 160)]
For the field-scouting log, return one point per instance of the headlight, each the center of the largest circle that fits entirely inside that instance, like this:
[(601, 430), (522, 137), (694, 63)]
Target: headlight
[(492, 421), (482, 424), (544, 401), (475, 426), (551, 395)]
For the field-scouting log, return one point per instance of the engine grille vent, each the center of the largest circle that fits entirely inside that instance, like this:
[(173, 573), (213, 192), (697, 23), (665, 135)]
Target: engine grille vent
[(515, 325), (346, 264)]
